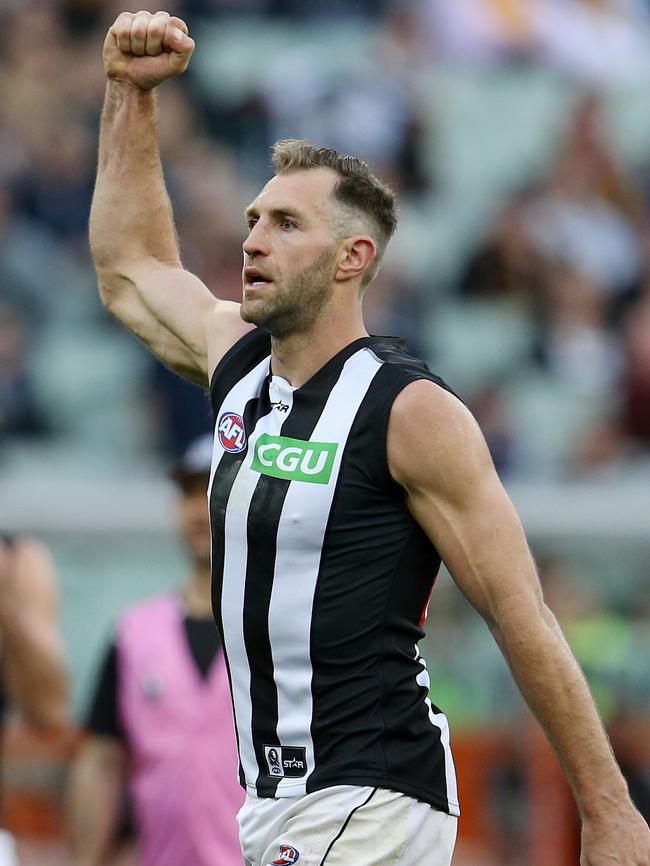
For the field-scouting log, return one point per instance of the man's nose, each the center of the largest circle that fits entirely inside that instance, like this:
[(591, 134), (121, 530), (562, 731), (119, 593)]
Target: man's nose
[(256, 243)]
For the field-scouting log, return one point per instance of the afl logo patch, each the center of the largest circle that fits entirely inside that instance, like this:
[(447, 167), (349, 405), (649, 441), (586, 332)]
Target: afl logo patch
[(286, 855), (232, 434)]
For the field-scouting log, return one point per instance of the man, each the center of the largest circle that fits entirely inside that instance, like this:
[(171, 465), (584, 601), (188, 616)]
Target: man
[(33, 676), (342, 472), (161, 719)]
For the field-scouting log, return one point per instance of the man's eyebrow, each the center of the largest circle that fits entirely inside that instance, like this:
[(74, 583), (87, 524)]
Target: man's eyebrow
[(252, 211)]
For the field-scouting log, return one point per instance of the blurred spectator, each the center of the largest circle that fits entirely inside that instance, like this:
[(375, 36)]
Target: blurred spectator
[(19, 411), (184, 409), (572, 221), (599, 42), (636, 378), (576, 345), (161, 718), (33, 678), (507, 266), (479, 30)]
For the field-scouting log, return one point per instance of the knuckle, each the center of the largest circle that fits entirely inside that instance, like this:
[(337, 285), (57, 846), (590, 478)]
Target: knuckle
[(139, 28), (178, 22)]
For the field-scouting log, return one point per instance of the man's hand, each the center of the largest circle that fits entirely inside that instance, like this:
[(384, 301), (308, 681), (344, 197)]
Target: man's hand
[(144, 50), (622, 839), (32, 662)]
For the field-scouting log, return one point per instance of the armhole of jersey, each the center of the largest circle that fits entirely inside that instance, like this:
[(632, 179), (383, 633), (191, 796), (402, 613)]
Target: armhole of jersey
[(248, 351), (394, 389)]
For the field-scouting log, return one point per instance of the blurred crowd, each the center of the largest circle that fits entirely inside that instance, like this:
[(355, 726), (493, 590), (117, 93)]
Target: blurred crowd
[(538, 313), (547, 309)]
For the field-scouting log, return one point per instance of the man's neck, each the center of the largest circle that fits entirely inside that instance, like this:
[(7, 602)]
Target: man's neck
[(298, 357), (197, 595)]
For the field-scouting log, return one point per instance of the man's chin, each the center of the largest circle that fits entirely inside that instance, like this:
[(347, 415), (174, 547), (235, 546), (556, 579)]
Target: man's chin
[(251, 312)]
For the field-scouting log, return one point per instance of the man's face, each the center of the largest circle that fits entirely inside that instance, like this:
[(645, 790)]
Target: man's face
[(290, 253), (193, 518)]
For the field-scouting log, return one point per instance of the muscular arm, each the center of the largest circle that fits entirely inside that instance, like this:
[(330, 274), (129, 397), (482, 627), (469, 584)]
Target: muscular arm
[(94, 799), (32, 657), (452, 489), (132, 235)]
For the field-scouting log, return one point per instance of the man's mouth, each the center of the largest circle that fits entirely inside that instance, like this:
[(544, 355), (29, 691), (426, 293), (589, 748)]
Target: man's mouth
[(256, 278)]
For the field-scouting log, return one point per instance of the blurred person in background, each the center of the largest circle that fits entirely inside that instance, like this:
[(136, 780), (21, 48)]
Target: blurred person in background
[(300, 634), (598, 41), (19, 410), (33, 675), (161, 719)]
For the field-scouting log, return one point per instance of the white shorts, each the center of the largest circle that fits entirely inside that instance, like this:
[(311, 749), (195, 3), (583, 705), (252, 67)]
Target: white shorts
[(8, 855), (345, 825)]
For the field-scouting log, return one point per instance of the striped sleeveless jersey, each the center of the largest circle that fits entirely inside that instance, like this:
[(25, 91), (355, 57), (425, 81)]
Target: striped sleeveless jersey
[(321, 577)]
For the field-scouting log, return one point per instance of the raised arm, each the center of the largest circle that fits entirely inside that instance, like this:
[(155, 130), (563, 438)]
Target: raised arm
[(132, 235), (32, 657), (453, 491)]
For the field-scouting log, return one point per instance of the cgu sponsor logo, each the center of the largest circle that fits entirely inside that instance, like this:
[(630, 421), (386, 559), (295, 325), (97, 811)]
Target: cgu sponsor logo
[(231, 432), (294, 459)]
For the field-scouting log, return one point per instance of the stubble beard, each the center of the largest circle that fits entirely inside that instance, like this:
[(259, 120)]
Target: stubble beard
[(298, 302)]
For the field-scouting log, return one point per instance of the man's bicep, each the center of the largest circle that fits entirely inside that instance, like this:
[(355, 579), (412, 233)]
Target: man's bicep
[(454, 493)]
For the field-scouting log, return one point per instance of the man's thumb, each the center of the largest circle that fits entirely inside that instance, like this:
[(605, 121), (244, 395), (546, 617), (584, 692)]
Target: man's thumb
[(181, 48)]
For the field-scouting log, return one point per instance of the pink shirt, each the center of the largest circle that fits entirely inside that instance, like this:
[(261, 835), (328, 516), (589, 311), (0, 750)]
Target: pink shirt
[(180, 732)]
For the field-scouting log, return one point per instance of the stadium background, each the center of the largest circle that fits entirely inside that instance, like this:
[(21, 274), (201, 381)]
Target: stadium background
[(517, 134)]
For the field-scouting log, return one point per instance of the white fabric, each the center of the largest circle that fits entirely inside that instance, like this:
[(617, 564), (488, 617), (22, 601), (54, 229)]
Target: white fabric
[(8, 855), (345, 825)]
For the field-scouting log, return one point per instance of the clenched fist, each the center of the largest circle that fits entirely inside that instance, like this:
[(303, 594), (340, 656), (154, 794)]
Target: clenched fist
[(144, 50)]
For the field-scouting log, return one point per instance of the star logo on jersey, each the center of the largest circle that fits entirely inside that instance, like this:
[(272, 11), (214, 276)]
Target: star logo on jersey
[(286, 855), (231, 432), (289, 761)]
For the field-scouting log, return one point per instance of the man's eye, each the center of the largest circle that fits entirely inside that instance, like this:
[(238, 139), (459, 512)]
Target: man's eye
[(287, 225), (251, 223)]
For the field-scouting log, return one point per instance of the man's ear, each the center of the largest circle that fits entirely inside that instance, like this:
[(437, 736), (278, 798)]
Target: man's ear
[(355, 258)]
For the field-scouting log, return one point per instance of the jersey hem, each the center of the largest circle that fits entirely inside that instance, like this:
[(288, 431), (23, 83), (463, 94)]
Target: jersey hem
[(451, 807)]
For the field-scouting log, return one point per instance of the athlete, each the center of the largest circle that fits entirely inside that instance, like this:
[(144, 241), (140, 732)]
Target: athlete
[(343, 471), (33, 675)]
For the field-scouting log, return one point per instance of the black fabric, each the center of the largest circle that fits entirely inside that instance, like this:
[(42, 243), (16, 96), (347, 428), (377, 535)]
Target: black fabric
[(103, 716), (204, 642)]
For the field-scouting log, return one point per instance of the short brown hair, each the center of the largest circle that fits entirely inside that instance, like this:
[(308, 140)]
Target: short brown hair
[(358, 189)]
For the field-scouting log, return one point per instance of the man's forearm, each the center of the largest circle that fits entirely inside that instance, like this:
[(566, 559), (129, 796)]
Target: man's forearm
[(93, 802), (131, 215), (35, 670), (556, 691)]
